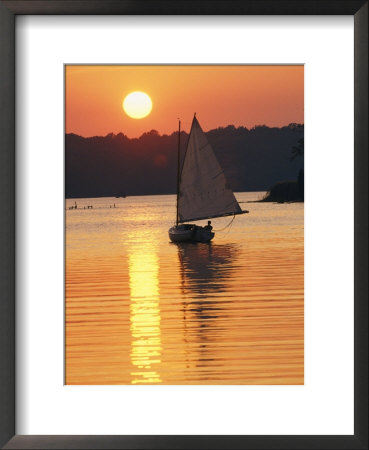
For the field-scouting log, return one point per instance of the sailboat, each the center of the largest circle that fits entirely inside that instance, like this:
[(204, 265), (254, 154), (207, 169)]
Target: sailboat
[(202, 189)]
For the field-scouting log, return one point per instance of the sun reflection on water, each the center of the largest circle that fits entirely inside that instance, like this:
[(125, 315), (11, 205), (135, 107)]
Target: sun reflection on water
[(142, 310), (145, 316)]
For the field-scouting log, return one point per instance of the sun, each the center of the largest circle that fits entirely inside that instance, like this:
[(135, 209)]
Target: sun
[(137, 105)]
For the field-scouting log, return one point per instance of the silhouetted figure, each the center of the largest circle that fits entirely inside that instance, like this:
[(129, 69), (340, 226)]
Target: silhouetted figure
[(208, 227)]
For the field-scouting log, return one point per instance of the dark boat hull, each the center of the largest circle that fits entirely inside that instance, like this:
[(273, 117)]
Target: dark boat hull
[(190, 233)]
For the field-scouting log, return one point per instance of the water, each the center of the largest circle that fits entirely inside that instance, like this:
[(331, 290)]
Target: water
[(140, 309)]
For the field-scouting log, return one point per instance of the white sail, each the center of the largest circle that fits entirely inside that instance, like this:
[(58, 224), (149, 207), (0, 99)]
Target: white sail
[(203, 191)]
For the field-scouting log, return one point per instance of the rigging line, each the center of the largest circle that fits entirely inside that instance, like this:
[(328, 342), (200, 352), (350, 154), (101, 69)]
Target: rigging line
[(230, 223), (229, 229)]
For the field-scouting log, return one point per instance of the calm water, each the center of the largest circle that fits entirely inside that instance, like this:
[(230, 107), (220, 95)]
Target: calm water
[(140, 309)]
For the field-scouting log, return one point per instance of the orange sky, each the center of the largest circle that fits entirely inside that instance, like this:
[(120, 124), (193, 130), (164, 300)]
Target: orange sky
[(220, 95)]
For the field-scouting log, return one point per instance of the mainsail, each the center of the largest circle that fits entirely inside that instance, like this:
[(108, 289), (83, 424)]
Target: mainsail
[(203, 189)]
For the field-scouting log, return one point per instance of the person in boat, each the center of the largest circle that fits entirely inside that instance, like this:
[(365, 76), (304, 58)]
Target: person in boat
[(208, 227)]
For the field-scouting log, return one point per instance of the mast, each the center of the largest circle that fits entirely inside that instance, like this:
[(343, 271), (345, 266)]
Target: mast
[(178, 162)]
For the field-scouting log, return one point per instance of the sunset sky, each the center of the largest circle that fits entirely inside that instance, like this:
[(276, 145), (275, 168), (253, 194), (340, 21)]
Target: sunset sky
[(220, 95)]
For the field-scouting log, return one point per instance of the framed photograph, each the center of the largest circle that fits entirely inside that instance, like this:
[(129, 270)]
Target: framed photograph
[(176, 279), (184, 224)]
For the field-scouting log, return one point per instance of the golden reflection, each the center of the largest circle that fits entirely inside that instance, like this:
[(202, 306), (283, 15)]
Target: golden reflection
[(145, 316), (142, 310)]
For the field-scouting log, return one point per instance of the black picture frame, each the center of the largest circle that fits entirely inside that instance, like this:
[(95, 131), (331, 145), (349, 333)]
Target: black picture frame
[(8, 12)]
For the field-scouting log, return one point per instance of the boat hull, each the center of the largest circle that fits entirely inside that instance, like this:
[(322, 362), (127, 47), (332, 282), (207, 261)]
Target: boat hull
[(190, 233)]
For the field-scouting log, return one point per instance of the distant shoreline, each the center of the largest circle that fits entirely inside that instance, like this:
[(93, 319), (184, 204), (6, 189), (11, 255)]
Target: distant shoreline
[(252, 160), (269, 201), (175, 131), (148, 195)]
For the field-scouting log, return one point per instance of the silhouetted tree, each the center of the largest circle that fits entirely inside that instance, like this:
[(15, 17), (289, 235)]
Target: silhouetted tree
[(253, 160), (298, 150), (300, 182)]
